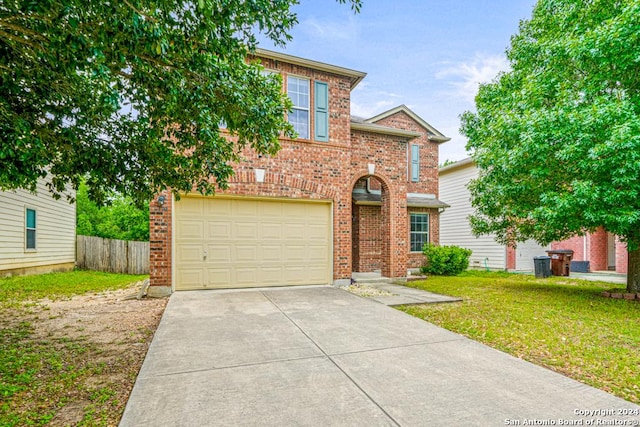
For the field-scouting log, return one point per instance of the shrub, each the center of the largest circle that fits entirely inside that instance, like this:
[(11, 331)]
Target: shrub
[(445, 260)]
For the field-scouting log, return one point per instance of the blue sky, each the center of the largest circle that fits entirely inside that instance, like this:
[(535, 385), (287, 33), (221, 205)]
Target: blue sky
[(427, 54)]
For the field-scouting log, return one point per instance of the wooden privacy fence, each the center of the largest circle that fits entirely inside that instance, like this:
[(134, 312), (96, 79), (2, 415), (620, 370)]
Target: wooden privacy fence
[(110, 255)]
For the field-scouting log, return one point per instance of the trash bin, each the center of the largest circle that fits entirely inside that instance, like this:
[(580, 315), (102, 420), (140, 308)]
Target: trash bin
[(579, 266), (560, 261), (542, 266)]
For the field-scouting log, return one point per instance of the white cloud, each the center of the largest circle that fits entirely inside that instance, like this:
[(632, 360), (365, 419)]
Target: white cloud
[(464, 78), (329, 30)]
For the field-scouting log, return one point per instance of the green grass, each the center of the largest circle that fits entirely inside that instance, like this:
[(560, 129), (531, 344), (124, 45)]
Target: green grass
[(560, 323), (21, 289), (40, 374)]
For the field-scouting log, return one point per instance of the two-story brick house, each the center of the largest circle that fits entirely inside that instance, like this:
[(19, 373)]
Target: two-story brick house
[(348, 194)]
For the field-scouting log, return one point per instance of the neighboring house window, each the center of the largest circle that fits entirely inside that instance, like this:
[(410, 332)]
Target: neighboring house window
[(298, 91), (415, 163), (321, 117), (30, 229), (419, 230)]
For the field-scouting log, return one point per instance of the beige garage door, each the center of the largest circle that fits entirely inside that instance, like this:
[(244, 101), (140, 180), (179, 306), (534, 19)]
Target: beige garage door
[(229, 243)]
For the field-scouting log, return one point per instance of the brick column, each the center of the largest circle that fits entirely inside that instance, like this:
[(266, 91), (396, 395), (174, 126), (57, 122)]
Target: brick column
[(598, 250), (622, 256), (160, 245)]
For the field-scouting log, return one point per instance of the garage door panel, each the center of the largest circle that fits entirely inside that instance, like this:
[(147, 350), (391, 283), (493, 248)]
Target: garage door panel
[(249, 209), (218, 230), (272, 253), (190, 229), (189, 253), (218, 277), (318, 232), (222, 208), (317, 254), (294, 232), (294, 273), (316, 274), (294, 253), (246, 254), (271, 275), (273, 210), (246, 276), (190, 207), (190, 278), (271, 230), (251, 242)]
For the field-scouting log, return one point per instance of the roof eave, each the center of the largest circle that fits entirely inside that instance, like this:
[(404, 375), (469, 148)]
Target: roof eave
[(368, 127), (356, 76)]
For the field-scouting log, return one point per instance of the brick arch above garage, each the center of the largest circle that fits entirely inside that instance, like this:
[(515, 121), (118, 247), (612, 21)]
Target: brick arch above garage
[(279, 185)]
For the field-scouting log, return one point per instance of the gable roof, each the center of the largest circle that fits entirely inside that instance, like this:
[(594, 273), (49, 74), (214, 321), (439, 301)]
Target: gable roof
[(355, 76), (434, 134), (361, 124)]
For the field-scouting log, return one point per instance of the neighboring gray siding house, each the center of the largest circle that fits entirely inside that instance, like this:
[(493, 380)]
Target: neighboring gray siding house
[(37, 232), (456, 230)]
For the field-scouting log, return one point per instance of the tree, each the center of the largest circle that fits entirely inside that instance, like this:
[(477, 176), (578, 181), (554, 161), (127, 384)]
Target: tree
[(132, 93), (557, 139), (120, 219)]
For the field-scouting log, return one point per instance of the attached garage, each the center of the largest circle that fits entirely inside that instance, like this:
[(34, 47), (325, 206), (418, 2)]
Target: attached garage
[(243, 242), (526, 251)]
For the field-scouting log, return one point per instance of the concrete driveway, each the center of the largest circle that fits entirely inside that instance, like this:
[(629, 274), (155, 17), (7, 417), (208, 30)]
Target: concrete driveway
[(319, 356)]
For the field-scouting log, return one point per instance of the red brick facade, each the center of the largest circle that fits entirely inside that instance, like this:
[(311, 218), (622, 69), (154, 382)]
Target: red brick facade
[(598, 249), (365, 238)]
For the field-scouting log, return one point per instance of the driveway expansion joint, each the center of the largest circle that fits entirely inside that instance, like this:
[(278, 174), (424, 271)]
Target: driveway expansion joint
[(328, 356)]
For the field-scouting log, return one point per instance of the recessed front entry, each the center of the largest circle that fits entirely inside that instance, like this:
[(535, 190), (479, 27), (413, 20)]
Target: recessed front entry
[(241, 242)]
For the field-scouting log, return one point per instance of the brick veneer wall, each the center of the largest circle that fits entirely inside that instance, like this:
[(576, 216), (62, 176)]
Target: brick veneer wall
[(367, 238), (428, 154), (622, 256), (327, 171), (160, 245)]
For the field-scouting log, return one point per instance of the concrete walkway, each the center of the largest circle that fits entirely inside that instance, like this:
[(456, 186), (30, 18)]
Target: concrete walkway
[(320, 356)]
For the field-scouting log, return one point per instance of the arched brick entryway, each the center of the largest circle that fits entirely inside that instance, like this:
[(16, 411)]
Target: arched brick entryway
[(373, 226)]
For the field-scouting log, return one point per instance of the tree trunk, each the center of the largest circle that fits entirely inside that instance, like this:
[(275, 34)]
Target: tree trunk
[(633, 271)]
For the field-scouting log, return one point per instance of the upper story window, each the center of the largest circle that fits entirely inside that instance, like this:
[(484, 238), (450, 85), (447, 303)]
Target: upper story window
[(414, 165), (30, 229), (419, 232), (298, 91)]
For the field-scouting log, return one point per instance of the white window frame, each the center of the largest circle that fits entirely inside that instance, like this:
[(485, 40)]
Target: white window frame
[(300, 108), (34, 229), (412, 233)]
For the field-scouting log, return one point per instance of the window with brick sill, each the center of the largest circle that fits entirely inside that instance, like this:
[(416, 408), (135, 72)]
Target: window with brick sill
[(419, 231)]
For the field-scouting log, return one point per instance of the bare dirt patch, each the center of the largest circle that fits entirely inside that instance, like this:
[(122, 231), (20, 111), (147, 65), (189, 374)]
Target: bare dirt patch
[(97, 343)]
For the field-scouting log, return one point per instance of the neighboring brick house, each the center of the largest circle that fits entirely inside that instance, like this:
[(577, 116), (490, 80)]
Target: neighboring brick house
[(348, 194), (603, 250)]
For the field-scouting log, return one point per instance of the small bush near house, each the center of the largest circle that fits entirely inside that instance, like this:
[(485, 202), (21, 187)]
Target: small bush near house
[(445, 260)]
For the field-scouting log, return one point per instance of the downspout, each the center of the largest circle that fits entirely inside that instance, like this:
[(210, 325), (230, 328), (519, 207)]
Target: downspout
[(368, 186)]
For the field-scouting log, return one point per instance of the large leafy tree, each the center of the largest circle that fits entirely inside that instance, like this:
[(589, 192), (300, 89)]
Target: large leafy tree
[(131, 94), (119, 219), (557, 138)]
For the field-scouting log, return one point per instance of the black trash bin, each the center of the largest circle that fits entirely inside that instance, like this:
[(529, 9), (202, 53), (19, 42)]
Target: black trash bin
[(542, 266)]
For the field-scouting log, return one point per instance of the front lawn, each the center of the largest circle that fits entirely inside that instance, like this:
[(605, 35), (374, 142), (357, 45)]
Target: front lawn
[(20, 289), (561, 323), (67, 361)]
